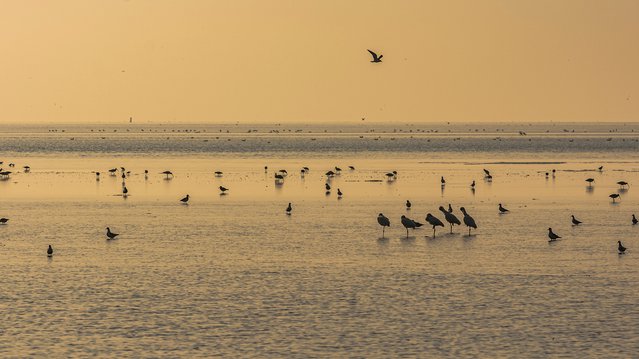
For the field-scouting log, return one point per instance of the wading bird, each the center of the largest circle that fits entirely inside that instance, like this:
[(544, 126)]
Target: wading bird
[(384, 222)]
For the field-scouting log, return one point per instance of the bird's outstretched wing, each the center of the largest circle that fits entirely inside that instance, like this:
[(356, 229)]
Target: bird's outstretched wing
[(374, 54)]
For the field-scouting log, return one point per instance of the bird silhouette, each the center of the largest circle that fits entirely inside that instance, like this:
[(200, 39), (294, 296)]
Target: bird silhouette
[(468, 220), (408, 204), (50, 251), (289, 209), (339, 193), (125, 191), (185, 200), (5, 220), (621, 248), (450, 208), (590, 181), (553, 237), (376, 58), (408, 223), (443, 181), (614, 196), (223, 190), (634, 220), (111, 235), (434, 221), (450, 218), (502, 209), (622, 184), (384, 222), (575, 221)]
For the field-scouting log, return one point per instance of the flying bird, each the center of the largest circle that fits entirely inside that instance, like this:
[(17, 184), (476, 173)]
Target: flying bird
[(376, 58)]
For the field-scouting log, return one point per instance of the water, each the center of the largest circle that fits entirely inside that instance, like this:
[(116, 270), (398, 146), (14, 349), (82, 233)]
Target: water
[(235, 276)]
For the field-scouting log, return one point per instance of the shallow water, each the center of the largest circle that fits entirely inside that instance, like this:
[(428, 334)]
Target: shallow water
[(234, 275)]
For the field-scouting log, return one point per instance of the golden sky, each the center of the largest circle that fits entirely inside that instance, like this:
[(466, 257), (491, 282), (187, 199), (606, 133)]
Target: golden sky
[(306, 61)]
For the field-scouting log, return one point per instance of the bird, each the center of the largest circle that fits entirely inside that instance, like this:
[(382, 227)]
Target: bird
[(575, 221), (97, 176), (468, 220), (384, 222), (443, 181), (218, 174), (590, 181), (634, 220), (434, 221), (338, 170), (167, 173), (553, 173), (223, 190), (622, 184), (376, 58), (408, 223), (328, 188), (487, 172), (185, 200), (621, 248), (553, 237), (600, 168), (502, 209), (450, 218), (125, 191), (50, 251), (614, 196), (5, 220), (279, 179), (472, 185), (450, 208), (352, 168), (289, 209), (112, 171), (408, 204), (339, 193), (110, 234)]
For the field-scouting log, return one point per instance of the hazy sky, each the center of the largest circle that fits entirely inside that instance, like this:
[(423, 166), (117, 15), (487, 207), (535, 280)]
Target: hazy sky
[(306, 61)]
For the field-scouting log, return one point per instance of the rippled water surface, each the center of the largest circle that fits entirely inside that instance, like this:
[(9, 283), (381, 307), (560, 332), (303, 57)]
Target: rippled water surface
[(233, 275)]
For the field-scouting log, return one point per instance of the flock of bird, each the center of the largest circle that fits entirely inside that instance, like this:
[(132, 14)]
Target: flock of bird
[(449, 217)]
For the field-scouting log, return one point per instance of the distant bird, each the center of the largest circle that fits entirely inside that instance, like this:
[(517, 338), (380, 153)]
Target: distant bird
[(327, 187), (185, 200), (218, 174), (5, 220), (468, 220), (575, 221), (111, 235), (289, 209), (329, 174), (450, 218), (622, 184), (408, 223), (408, 204), (487, 172), (338, 170), (634, 220), (223, 190), (112, 171), (50, 251), (265, 169), (390, 176), (26, 168), (167, 173), (472, 185), (590, 181), (384, 222), (614, 196), (351, 168), (546, 174), (553, 173), (125, 191), (450, 208), (489, 178), (339, 193), (376, 58), (97, 176), (443, 181), (621, 248), (279, 179), (600, 168), (502, 209), (434, 221), (284, 173), (553, 237)]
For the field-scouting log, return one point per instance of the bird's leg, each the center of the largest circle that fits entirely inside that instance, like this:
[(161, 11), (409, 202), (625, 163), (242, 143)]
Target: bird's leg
[(451, 228), (433, 231)]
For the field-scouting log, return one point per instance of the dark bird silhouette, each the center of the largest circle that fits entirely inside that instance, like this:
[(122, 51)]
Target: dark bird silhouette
[(218, 173), (339, 193), (468, 220), (575, 221), (450, 208), (223, 190), (600, 168), (50, 251), (351, 168), (408, 223), (590, 181), (111, 235), (384, 222), (289, 209), (328, 188), (125, 191), (185, 200), (621, 248), (487, 172), (622, 184), (502, 209), (376, 58), (634, 220), (614, 196), (443, 181), (450, 218), (472, 185), (5, 220), (408, 204), (112, 171), (553, 237), (434, 221), (167, 173)]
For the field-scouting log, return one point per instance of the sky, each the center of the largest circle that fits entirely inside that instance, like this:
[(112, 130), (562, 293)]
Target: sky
[(298, 61)]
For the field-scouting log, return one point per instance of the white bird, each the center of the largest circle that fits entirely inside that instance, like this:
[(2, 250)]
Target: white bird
[(468, 220), (384, 222)]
